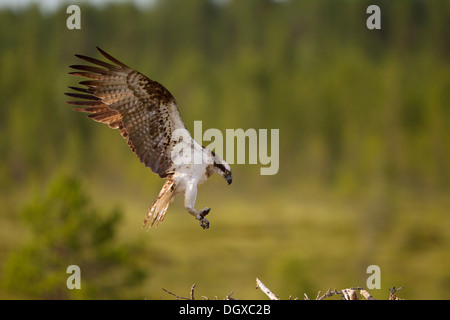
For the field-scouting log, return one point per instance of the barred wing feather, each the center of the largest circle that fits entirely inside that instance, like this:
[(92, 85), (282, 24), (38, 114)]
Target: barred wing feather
[(143, 110)]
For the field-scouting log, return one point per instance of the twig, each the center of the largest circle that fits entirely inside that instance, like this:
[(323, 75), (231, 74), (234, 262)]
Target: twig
[(192, 291), (229, 297), (392, 295), (176, 296), (266, 290), (318, 295)]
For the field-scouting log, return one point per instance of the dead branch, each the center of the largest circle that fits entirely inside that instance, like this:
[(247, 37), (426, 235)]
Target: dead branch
[(366, 294), (347, 294), (266, 290)]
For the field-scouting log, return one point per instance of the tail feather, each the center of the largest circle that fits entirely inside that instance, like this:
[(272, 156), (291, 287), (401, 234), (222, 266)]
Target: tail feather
[(158, 210)]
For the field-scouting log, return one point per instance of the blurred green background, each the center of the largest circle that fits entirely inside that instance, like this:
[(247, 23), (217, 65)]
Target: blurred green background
[(364, 150)]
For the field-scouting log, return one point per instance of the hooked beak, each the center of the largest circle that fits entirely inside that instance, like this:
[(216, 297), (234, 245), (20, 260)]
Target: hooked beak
[(229, 179)]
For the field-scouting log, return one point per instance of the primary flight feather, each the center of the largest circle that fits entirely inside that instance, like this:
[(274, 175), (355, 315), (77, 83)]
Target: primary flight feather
[(147, 116)]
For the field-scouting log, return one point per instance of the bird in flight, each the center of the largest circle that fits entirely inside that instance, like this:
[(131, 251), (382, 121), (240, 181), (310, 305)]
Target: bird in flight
[(147, 116)]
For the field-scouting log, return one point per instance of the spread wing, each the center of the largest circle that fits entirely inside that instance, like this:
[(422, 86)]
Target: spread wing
[(143, 110)]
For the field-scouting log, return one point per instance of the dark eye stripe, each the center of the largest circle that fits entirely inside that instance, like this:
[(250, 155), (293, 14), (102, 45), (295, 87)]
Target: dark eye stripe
[(220, 166)]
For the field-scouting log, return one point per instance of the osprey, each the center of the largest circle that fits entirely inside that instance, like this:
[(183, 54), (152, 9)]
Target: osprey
[(147, 116)]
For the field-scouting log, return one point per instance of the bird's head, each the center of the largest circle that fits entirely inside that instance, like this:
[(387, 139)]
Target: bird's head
[(221, 167)]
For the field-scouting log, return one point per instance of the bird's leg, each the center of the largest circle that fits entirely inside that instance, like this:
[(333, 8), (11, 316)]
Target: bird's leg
[(189, 202), (204, 223), (200, 216)]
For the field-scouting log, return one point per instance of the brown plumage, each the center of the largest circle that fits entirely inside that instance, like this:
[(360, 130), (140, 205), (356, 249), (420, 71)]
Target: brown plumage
[(159, 207), (143, 110)]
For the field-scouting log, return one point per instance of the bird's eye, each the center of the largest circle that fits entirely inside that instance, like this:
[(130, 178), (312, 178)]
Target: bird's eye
[(227, 172)]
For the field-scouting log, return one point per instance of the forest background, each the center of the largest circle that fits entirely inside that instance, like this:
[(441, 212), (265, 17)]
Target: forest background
[(364, 176)]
